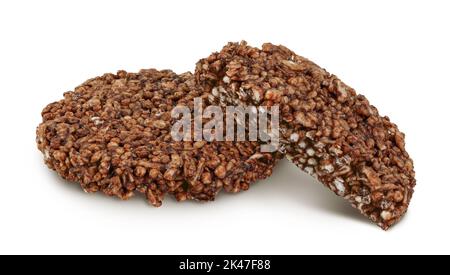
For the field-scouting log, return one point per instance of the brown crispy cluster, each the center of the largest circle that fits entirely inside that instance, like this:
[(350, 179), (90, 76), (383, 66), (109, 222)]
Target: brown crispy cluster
[(113, 134), (328, 130)]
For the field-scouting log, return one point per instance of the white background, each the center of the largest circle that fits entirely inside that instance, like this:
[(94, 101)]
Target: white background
[(394, 52)]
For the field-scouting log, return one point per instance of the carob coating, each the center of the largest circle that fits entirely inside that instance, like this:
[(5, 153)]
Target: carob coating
[(113, 134), (328, 130)]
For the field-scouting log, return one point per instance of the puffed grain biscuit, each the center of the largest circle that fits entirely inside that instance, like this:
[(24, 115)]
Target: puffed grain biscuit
[(113, 134), (328, 130)]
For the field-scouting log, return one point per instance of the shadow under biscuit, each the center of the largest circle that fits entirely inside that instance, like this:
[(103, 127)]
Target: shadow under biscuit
[(286, 183), (290, 183)]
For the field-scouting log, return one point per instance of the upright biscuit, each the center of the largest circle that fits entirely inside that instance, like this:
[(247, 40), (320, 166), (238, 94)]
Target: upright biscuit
[(113, 134), (328, 130)]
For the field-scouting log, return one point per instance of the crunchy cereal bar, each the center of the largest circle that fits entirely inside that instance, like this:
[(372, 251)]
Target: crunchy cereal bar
[(328, 130), (112, 134)]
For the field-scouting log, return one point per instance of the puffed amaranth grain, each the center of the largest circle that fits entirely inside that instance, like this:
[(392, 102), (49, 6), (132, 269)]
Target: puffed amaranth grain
[(113, 134), (328, 130)]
